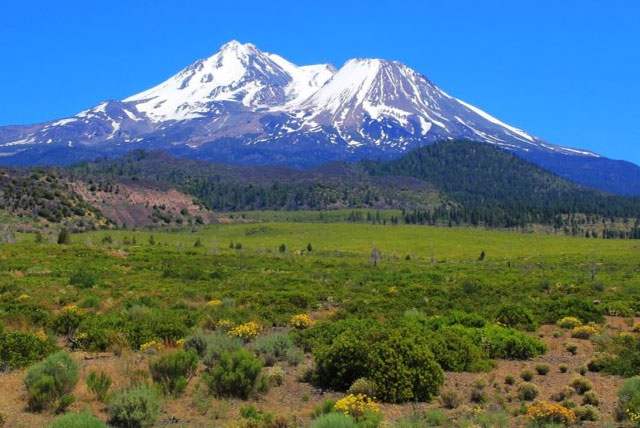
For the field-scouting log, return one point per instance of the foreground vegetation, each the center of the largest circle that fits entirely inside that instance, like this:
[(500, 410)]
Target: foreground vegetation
[(367, 318)]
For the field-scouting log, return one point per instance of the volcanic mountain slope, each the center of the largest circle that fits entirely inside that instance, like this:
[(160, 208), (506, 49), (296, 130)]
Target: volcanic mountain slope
[(245, 106)]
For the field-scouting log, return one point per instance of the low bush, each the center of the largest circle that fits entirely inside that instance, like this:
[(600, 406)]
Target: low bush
[(294, 356), (83, 278), (50, 382), (77, 420), (323, 409), (569, 323), (629, 401), (246, 331), (527, 391), (334, 420), (362, 387), (516, 316), (572, 348), (356, 405), (601, 361), (590, 399), (275, 344), (19, 350), (99, 384), (217, 344), (450, 399), (580, 384), (275, 375), (549, 413), (174, 370), (563, 395), (542, 369), (587, 413), (510, 380), (135, 407), (235, 374), (455, 352), (504, 343), (563, 368), (584, 332), (526, 375)]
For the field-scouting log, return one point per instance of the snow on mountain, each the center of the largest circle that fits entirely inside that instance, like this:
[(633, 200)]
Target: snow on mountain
[(237, 73), (247, 106)]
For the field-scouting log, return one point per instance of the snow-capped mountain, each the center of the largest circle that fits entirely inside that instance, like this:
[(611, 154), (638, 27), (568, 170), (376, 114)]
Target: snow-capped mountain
[(246, 106)]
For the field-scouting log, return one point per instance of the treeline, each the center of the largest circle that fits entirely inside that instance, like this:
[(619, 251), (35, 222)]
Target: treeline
[(494, 188)]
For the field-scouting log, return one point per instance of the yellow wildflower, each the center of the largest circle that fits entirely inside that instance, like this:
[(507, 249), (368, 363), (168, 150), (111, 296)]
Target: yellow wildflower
[(569, 322), (214, 303), (23, 296), (356, 405), (301, 321), (246, 331), (551, 413)]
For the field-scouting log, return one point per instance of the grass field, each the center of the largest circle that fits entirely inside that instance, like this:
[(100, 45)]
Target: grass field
[(157, 285)]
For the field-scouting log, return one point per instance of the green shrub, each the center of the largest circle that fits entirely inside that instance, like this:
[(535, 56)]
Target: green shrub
[(18, 350), (99, 384), (590, 399), (136, 407), (197, 341), (601, 361), (563, 395), (455, 352), (586, 413), (629, 400), (294, 356), (83, 278), (235, 374), (174, 370), (563, 368), (478, 396), (449, 399), (398, 362), (504, 343), (364, 387), (50, 382), (516, 316), (334, 420), (582, 308), (627, 357), (542, 369), (572, 348), (580, 384), (527, 391), (526, 375), (323, 409), (275, 344), (275, 375), (510, 380), (219, 343), (77, 420)]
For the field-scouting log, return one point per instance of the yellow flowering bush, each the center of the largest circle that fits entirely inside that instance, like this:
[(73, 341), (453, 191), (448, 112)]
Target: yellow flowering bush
[(636, 328), (214, 303), (225, 324), (154, 344), (246, 331), (356, 405), (551, 413), (301, 321), (584, 331), (180, 343), (569, 322), (393, 290)]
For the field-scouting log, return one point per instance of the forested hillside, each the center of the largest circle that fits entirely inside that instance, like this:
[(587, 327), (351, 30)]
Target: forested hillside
[(448, 183)]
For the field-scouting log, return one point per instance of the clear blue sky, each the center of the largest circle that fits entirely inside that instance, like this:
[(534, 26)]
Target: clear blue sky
[(567, 71)]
